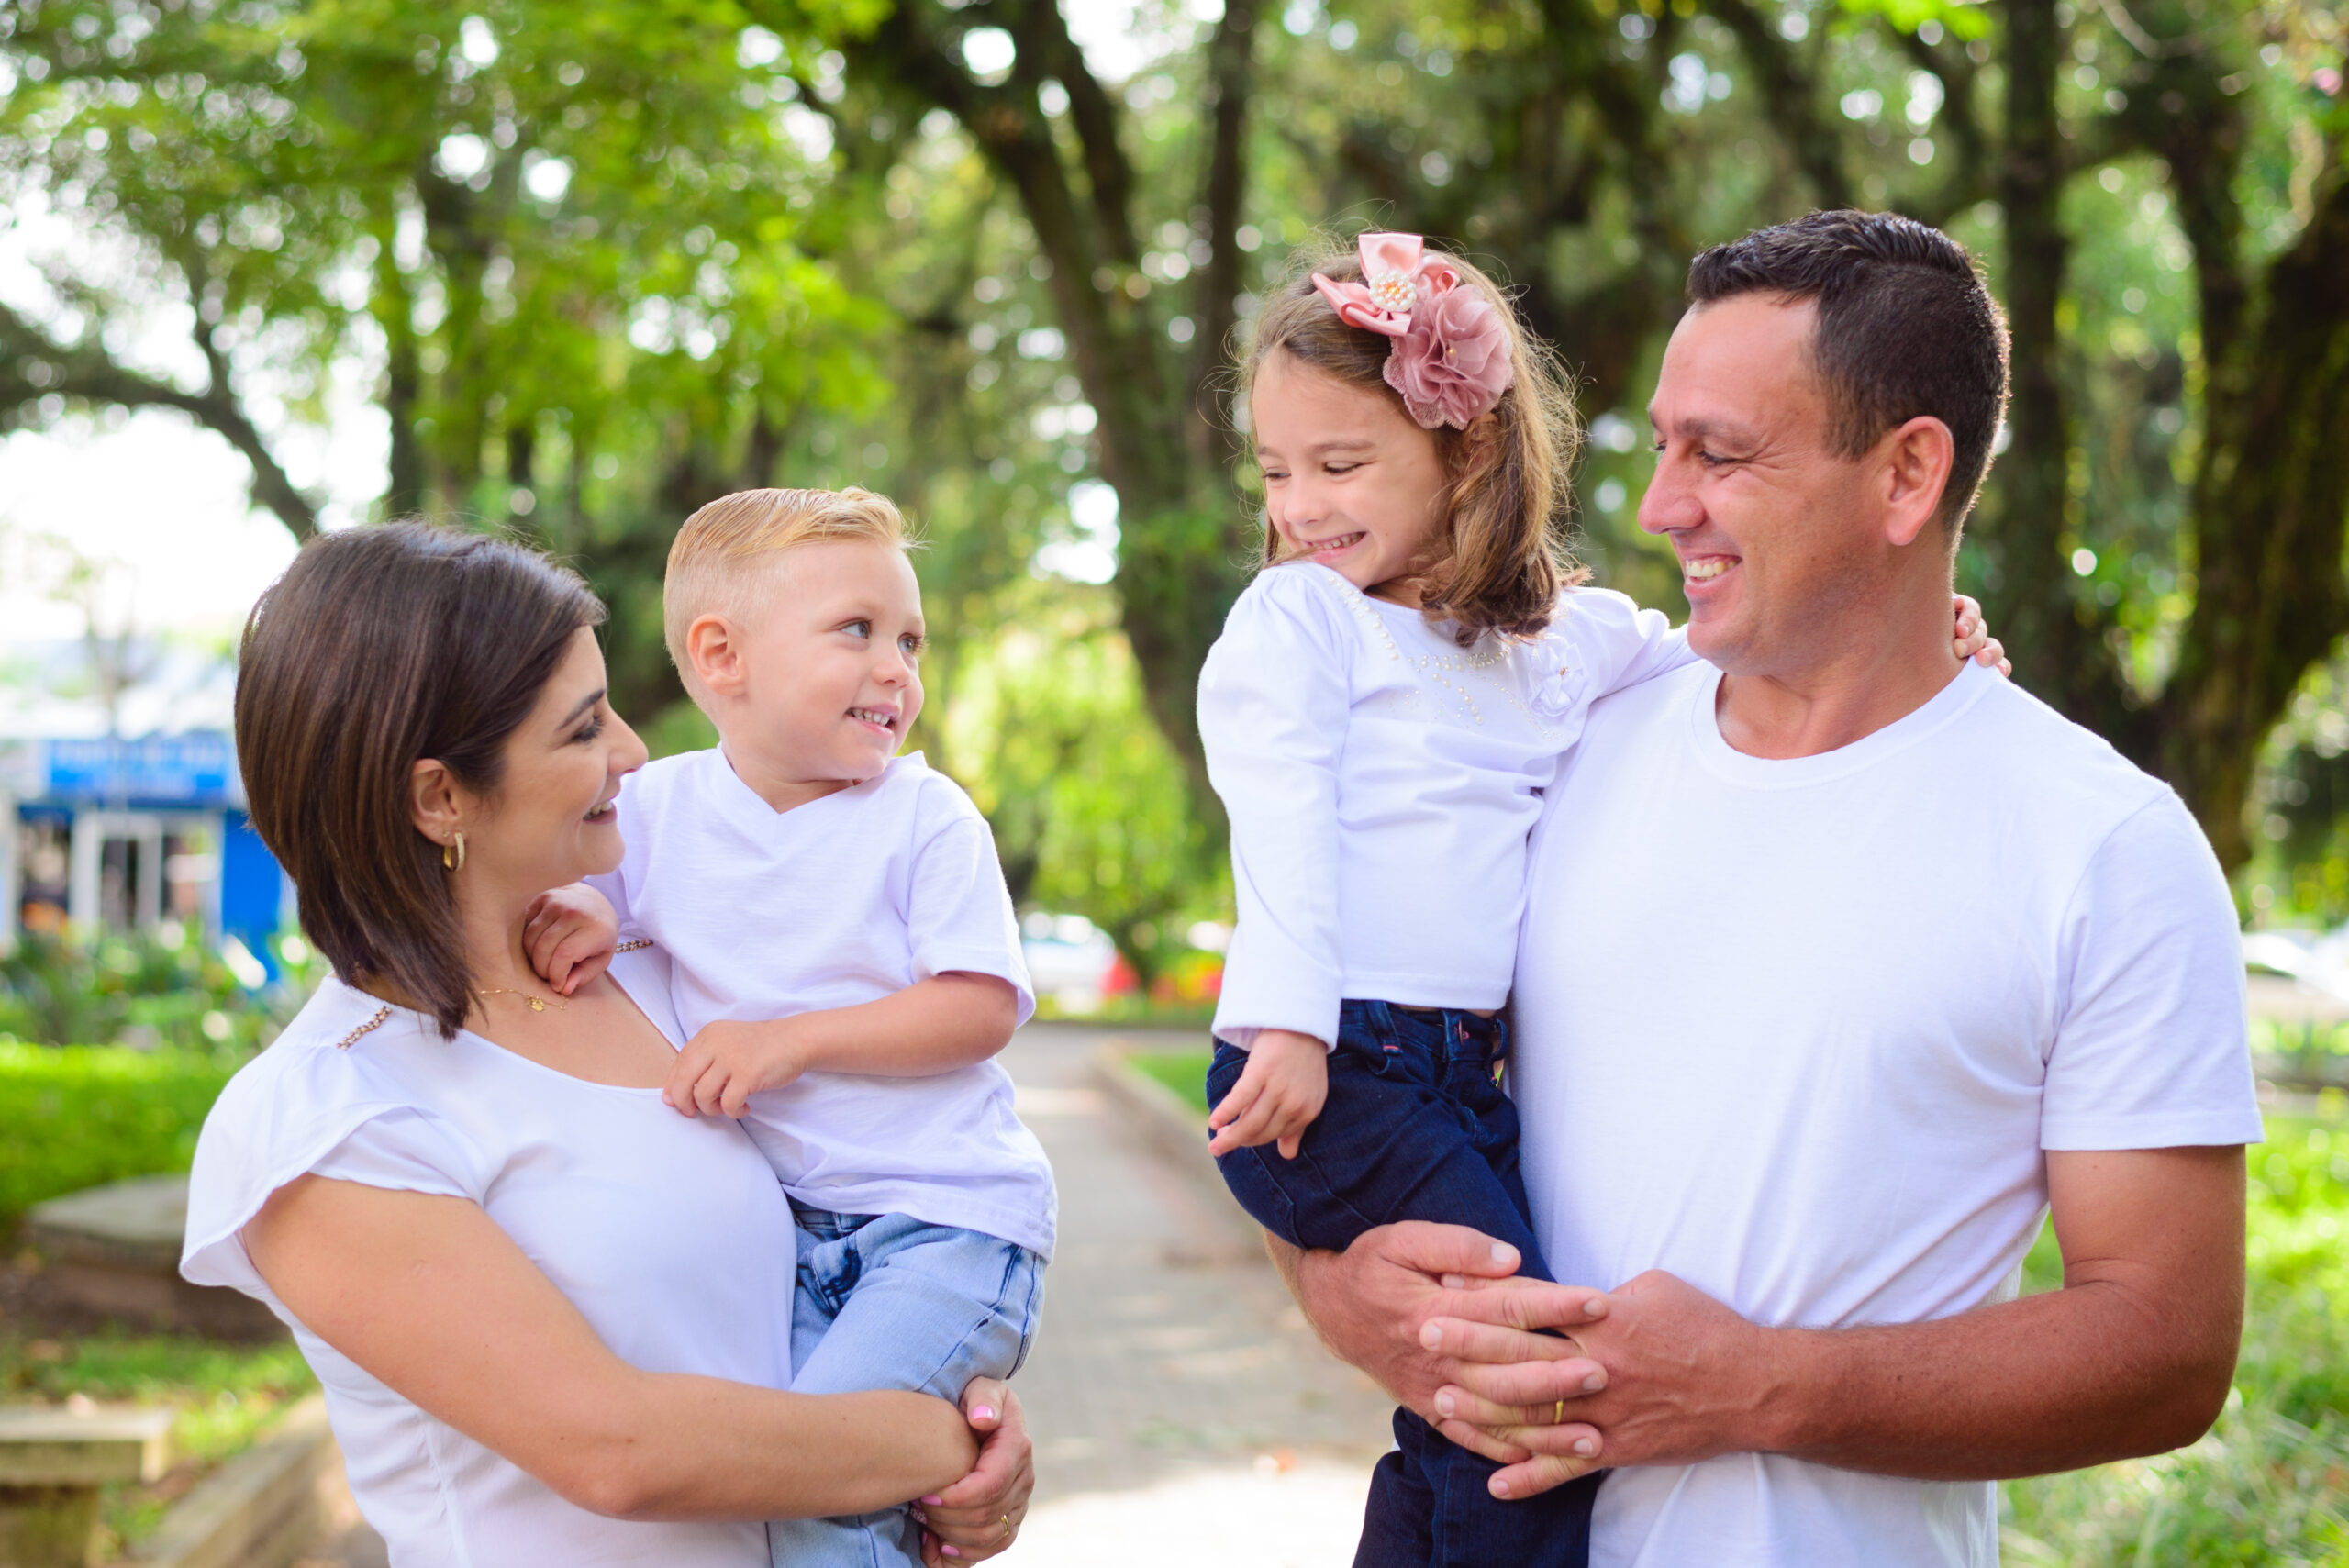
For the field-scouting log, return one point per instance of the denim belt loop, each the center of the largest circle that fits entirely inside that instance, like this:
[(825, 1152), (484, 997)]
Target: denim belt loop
[(1381, 1021)]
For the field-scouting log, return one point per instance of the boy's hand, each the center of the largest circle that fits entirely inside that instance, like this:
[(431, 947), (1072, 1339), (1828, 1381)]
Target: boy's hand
[(1971, 638), (1280, 1091), (729, 1061), (570, 935)]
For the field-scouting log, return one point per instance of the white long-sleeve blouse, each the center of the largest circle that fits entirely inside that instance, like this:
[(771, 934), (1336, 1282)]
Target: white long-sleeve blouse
[(1381, 781)]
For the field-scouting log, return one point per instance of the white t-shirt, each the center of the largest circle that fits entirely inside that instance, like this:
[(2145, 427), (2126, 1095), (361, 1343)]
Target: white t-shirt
[(1381, 781), (668, 1236), (1799, 1032), (842, 901)]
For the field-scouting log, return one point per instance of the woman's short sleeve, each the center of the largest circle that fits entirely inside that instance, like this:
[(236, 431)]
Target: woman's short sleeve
[(303, 1108), (406, 1151)]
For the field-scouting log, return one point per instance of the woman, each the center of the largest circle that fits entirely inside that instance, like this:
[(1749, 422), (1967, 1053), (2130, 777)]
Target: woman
[(551, 1316)]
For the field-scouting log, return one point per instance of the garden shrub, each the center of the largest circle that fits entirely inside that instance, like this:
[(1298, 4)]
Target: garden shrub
[(75, 1117)]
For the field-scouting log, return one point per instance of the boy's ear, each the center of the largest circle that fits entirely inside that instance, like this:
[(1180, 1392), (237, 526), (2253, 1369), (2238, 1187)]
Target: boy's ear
[(714, 646)]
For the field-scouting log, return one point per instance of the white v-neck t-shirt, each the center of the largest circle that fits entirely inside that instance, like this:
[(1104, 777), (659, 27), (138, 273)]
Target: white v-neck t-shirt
[(669, 1235), (844, 900), (1802, 1032)]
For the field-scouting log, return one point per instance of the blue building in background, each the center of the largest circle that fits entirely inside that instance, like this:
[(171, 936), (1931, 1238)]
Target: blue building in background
[(107, 831)]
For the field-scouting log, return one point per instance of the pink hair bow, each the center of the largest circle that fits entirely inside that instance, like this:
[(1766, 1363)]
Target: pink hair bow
[(1449, 359)]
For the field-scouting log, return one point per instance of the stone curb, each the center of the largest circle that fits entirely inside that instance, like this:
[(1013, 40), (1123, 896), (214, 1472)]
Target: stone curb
[(263, 1509), (1171, 1124), (1177, 1131)]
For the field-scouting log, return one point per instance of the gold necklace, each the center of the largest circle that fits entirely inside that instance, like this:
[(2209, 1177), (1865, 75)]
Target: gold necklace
[(538, 1004)]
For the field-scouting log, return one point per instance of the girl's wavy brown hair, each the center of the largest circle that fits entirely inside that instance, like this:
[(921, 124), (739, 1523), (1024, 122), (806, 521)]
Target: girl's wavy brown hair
[(1501, 556)]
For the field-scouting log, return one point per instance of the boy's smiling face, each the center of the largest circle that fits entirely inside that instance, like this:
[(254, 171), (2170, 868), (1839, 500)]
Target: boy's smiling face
[(818, 689)]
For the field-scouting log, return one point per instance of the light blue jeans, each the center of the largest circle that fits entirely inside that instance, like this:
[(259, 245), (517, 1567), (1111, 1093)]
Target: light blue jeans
[(887, 1301)]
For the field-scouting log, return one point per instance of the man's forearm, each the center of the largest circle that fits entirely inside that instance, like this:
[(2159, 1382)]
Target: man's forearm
[(2075, 1377)]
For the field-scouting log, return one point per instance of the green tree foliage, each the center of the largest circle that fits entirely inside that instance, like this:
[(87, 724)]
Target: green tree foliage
[(609, 260)]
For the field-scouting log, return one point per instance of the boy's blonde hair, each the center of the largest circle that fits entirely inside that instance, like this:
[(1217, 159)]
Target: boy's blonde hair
[(723, 560)]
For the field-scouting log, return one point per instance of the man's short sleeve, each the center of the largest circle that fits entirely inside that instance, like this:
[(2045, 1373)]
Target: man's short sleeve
[(2151, 1046)]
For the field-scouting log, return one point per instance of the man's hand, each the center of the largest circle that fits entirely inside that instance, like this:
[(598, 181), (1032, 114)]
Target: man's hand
[(727, 1061), (1280, 1091), (1372, 1303), (1681, 1377), (2132, 1357), (980, 1514), (569, 934)]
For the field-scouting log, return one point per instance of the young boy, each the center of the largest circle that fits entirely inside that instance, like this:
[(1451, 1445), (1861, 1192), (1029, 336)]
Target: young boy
[(846, 961)]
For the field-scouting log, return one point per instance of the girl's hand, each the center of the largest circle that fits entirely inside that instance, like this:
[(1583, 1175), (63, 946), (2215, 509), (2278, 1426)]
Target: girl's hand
[(1972, 639), (980, 1514), (1280, 1091), (569, 935)]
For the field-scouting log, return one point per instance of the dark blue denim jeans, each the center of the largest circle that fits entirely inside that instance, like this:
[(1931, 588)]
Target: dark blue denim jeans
[(1415, 1127)]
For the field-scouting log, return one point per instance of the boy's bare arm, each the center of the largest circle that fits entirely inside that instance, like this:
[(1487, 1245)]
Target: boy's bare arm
[(932, 1026)]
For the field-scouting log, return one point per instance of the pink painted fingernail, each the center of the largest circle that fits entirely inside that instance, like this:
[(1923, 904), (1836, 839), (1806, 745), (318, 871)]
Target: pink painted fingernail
[(950, 1551), (933, 1499), (983, 1412)]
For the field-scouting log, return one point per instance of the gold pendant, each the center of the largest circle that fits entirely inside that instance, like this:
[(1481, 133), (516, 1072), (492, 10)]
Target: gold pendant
[(537, 1005)]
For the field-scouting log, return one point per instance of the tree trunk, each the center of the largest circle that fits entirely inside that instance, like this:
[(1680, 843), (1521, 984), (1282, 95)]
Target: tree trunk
[(2038, 618), (2271, 505)]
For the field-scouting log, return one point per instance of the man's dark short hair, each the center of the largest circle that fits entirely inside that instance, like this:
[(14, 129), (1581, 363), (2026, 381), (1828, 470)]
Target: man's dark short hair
[(1905, 328)]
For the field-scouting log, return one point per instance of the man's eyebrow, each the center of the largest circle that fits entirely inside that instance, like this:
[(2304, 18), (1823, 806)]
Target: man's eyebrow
[(1699, 427)]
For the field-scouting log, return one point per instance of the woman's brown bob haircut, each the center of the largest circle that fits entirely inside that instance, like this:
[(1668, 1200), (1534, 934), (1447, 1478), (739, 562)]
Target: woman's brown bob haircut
[(1502, 552), (381, 646)]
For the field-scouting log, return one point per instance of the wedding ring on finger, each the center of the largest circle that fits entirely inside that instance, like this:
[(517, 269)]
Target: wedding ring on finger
[(1558, 1417)]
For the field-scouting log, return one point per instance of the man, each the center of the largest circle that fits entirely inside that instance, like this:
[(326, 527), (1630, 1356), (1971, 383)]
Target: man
[(1841, 964)]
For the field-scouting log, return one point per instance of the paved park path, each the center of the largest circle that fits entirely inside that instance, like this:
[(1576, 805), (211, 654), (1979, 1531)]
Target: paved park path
[(1182, 1412)]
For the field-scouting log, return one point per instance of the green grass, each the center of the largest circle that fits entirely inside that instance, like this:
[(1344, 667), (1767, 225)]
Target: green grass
[(75, 1117), (1184, 1071), (224, 1396)]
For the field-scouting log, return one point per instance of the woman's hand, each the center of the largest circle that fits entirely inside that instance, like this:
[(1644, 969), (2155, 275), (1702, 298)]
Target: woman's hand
[(981, 1514)]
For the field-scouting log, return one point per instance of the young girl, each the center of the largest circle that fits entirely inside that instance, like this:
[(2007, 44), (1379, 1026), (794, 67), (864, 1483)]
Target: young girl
[(1387, 702)]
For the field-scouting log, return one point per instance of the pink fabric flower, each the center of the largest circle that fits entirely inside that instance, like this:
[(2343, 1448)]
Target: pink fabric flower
[(1449, 358), (1453, 364)]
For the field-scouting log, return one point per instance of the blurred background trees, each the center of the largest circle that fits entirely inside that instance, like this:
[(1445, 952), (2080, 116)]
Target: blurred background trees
[(597, 262)]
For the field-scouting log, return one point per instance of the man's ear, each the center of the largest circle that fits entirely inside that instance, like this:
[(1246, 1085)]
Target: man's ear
[(1917, 459), (714, 648), (433, 803)]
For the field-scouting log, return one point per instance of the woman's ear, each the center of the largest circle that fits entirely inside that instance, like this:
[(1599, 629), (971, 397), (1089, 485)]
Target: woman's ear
[(433, 804)]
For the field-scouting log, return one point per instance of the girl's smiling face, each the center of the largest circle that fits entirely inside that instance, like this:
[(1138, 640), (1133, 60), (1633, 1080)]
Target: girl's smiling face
[(1349, 479)]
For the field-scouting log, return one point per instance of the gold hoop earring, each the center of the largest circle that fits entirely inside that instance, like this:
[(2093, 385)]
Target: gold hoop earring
[(452, 854)]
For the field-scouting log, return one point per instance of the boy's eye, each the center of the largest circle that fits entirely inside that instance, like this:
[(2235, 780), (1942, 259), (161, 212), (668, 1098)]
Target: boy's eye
[(913, 642), (857, 628)]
